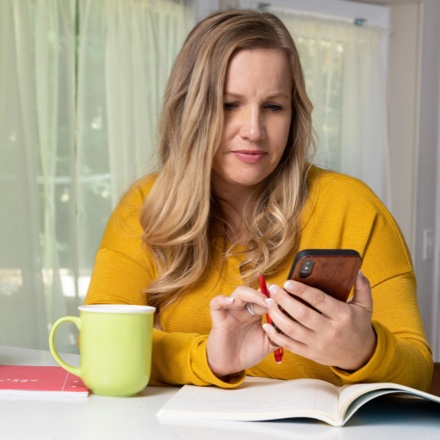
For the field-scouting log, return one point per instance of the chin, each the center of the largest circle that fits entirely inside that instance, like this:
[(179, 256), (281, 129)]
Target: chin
[(247, 183)]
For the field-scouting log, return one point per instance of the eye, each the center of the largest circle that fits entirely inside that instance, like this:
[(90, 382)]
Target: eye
[(274, 107), (229, 106)]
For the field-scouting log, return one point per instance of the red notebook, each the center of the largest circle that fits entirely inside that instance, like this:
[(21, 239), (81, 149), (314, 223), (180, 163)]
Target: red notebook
[(20, 380)]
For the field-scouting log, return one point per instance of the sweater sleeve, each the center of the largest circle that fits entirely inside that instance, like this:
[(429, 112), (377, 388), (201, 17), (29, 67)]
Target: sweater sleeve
[(178, 358), (123, 269), (402, 354)]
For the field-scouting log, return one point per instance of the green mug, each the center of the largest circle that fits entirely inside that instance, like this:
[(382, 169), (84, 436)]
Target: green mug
[(115, 347)]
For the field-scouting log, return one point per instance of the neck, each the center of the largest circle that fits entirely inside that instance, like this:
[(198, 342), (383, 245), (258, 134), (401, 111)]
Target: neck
[(232, 205)]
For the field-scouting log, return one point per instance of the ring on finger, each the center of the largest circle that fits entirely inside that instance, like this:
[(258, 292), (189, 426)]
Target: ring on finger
[(250, 309)]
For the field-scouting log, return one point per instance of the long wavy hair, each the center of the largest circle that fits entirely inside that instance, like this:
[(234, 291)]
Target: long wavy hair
[(182, 218)]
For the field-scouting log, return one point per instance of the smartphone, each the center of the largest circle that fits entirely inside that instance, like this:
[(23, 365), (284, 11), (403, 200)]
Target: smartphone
[(333, 271)]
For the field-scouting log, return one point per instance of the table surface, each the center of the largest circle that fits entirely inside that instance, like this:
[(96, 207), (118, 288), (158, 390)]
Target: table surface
[(135, 418)]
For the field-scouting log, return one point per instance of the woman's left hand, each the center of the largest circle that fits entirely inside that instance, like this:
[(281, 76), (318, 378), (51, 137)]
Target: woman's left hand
[(336, 333)]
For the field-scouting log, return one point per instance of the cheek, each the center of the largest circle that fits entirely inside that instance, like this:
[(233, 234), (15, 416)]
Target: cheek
[(280, 134), (228, 130), (287, 125), (219, 159)]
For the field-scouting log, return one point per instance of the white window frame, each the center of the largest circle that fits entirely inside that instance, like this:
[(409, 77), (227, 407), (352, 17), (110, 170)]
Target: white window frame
[(376, 15)]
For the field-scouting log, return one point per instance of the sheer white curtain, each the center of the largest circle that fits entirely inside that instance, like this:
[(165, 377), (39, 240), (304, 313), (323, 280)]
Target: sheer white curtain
[(80, 89), (36, 120), (346, 82), (126, 51)]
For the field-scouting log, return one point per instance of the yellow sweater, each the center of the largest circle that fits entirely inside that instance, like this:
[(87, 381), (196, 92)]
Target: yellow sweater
[(341, 212)]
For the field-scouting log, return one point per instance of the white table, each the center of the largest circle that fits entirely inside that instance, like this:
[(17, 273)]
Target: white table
[(134, 418)]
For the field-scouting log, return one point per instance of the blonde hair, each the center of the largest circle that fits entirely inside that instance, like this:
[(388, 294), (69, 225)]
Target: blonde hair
[(182, 216)]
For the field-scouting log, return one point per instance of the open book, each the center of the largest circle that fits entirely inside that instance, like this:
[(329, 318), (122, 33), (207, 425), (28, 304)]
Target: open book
[(269, 399), (27, 380)]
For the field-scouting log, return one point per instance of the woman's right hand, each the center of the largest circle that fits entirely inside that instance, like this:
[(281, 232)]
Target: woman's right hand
[(237, 340), (333, 333)]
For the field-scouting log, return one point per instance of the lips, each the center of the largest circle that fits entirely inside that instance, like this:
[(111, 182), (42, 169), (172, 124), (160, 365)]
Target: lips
[(249, 156)]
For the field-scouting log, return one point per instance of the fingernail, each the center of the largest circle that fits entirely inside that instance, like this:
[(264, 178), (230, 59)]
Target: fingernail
[(230, 299), (273, 289), (268, 301), (267, 327), (289, 285)]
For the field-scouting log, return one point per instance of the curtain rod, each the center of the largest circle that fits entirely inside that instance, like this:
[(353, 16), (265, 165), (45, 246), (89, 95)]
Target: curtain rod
[(357, 21)]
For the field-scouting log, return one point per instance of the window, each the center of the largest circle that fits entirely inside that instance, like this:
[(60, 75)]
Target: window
[(80, 87)]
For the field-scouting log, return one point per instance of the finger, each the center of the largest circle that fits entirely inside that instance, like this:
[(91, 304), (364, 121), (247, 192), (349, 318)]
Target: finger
[(258, 309), (278, 339), (219, 306), (315, 298), (362, 293), (290, 316), (221, 302), (295, 301), (312, 297), (245, 295)]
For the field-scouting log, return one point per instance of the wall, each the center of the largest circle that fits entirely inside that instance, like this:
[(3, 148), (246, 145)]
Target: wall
[(404, 49), (427, 197), (436, 268), (414, 99)]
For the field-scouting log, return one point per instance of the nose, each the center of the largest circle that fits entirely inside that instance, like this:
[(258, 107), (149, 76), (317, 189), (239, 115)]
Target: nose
[(252, 126)]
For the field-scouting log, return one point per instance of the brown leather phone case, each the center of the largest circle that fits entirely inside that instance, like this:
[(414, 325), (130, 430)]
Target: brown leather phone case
[(333, 271)]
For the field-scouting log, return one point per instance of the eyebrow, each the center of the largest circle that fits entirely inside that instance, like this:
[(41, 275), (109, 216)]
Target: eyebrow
[(273, 96)]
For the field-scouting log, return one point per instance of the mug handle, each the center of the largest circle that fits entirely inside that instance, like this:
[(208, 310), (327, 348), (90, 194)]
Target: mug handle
[(70, 368)]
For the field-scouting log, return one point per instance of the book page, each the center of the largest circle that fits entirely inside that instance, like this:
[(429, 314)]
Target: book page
[(256, 399), (352, 397)]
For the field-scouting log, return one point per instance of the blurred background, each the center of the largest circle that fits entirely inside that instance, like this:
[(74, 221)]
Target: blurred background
[(81, 84)]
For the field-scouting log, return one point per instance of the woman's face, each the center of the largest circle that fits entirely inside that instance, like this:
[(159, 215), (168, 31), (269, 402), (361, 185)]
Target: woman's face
[(257, 116)]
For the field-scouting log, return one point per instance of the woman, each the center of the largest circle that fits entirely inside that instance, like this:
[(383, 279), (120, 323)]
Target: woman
[(236, 197)]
